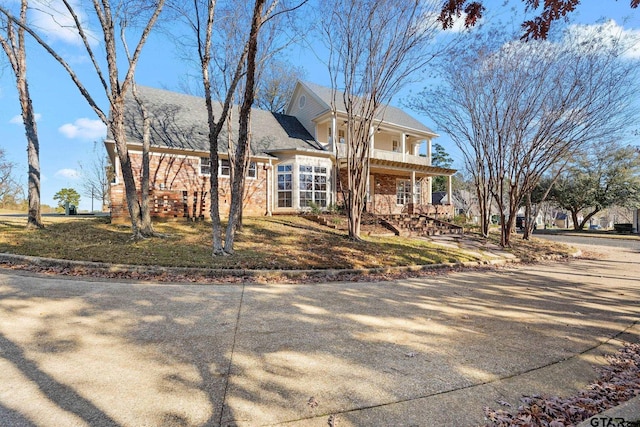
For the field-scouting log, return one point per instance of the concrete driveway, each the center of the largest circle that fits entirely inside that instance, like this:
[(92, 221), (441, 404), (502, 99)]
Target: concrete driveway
[(422, 352)]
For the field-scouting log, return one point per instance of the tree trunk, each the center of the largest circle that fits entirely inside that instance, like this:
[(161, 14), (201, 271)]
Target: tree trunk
[(204, 53), (358, 150), (528, 213), (485, 212), (214, 159), (574, 217), (17, 55), (355, 206), (146, 226), (587, 218), (34, 219), (355, 219), (237, 187), (119, 136)]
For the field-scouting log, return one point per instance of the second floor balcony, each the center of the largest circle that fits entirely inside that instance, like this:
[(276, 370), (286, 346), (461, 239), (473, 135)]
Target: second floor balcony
[(391, 156)]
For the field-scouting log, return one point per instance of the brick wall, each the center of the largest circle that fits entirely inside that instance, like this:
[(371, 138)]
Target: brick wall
[(385, 198), (384, 195), (178, 190)]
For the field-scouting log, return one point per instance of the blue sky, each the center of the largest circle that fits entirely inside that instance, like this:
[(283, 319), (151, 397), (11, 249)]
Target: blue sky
[(69, 129)]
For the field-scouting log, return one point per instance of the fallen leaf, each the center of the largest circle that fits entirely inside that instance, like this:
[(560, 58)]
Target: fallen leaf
[(312, 402)]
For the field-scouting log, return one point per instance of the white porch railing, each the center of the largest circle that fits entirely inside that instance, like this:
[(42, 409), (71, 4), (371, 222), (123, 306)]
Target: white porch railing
[(390, 156), (419, 160)]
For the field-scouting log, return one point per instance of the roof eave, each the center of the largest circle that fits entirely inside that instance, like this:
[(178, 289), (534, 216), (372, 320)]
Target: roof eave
[(320, 153), (326, 114)]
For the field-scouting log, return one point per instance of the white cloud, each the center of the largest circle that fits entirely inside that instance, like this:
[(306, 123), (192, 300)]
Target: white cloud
[(84, 128), (52, 18), (17, 120), (431, 21), (627, 40), (68, 173)]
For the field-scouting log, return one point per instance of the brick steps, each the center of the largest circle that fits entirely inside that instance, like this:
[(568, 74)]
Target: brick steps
[(419, 225)]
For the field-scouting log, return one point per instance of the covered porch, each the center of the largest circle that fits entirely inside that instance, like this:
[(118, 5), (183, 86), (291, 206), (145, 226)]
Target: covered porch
[(396, 187)]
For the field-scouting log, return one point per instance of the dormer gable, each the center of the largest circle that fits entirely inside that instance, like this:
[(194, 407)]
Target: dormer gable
[(305, 105)]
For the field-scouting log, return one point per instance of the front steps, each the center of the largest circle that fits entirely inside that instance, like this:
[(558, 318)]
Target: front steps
[(419, 225)]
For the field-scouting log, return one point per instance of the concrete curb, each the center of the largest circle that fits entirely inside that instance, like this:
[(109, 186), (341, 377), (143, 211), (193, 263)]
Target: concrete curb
[(633, 237), (102, 267), (625, 414)]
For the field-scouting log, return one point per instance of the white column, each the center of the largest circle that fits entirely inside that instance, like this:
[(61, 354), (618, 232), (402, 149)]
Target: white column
[(429, 195), (368, 168), (404, 147), (413, 188), (449, 190), (371, 140), (429, 153), (334, 134), (269, 187), (335, 173)]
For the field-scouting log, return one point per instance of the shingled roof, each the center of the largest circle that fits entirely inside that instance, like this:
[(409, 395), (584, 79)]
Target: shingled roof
[(389, 114), (180, 121)]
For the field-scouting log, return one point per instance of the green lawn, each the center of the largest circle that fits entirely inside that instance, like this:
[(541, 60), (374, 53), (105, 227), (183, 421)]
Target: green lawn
[(279, 242)]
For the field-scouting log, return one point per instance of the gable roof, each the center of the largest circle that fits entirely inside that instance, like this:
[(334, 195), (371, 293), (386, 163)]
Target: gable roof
[(389, 114), (180, 122)]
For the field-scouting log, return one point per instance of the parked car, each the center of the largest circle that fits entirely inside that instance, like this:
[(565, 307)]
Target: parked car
[(521, 223)]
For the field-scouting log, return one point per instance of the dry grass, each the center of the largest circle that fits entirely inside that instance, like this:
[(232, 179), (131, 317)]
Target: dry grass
[(279, 242)]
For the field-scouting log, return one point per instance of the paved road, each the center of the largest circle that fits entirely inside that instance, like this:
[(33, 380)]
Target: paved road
[(633, 244), (424, 352)]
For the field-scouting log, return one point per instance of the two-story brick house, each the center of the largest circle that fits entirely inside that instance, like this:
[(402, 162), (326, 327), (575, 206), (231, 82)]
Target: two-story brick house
[(294, 164)]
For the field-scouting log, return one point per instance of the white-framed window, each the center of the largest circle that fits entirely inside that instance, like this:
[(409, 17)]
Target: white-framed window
[(285, 186), (205, 166), (313, 186), (395, 146), (403, 191), (302, 101), (225, 167), (252, 170)]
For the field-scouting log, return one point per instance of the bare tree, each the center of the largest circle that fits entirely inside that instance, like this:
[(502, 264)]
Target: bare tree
[(230, 49), (237, 189), (200, 20), (375, 47), (234, 70), (9, 189), (114, 85), (276, 85), (95, 178), (14, 47), (517, 109), (145, 205)]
